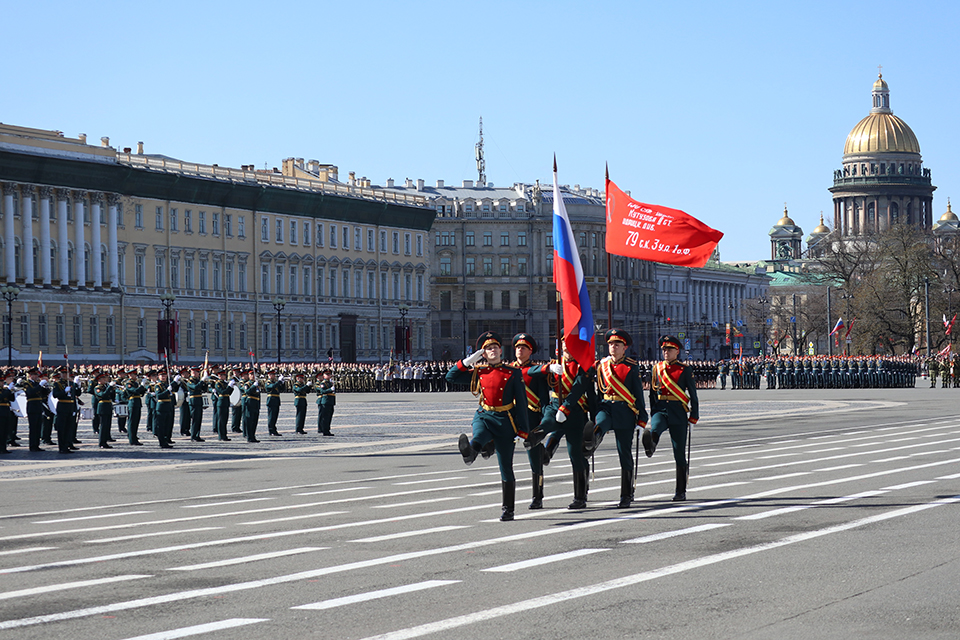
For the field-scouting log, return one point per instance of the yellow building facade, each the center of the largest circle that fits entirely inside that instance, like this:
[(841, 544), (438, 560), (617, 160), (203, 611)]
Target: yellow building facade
[(95, 240)]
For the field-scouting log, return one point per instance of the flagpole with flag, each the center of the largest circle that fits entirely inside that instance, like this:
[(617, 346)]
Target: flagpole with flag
[(578, 329)]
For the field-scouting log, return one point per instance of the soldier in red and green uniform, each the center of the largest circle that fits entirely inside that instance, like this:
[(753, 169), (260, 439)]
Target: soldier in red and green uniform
[(621, 407), (673, 406), (502, 415), (538, 396)]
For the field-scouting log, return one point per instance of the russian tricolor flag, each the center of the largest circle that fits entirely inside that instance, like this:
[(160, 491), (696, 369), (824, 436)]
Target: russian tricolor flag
[(838, 327), (578, 330)]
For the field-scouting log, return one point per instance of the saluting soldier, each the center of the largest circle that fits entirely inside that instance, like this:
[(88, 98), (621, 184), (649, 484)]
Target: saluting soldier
[(326, 401), (502, 414), (674, 405), (538, 396), (300, 390), (273, 387), (621, 408)]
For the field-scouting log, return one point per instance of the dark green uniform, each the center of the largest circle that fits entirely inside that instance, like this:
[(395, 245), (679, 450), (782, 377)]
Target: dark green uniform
[(300, 391), (273, 389), (135, 392), (327, 402), (621, 409), (251, 409), (672, 411)]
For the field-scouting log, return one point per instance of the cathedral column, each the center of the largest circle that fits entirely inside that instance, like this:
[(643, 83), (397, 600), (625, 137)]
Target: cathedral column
[(79, 251), (45, 269), (9, 233), (26, 240), (63, 236), (96, 202), (113, 269)]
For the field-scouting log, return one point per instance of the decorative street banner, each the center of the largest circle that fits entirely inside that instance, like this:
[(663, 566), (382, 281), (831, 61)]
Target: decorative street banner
[(655, 233)]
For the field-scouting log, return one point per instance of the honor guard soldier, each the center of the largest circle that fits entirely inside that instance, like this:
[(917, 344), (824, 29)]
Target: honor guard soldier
[(502, 414), (104, 394), (163, 392), (195, 388), (326, 401), (221, 404), (36, 398), (251, 406), (571, 397), (538, 396), (273, 387), (300, 390), (66, 410), (673, 405), (621, 407), (134, 390)]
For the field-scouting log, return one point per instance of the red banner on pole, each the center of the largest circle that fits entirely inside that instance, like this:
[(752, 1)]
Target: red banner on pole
[(655, 233)]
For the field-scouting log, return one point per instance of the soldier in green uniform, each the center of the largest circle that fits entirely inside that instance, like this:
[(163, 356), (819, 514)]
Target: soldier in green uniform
[(538, 395), (163, 391), (326, 401), (120, 384), (104, 394), (195, 388), (36, 398), (150, 399), (46, 430), (236, 411), (300, 390), (674, 406), (185, 418), (221, 404), (134, 391), (6, 413), (932, 370), (273, 387), (66, 408), (251, 406)]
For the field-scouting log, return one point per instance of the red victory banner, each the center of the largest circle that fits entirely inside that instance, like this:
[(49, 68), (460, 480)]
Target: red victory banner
[(655, 233)]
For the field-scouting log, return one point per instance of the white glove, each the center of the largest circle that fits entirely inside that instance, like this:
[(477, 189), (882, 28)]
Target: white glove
[(555, 368), (473, 358), (561, 417), (113, 384), (233, 383), (10, 386), (19, 382), (332, 389), (145, 382), (170, 388), (76, 380), (67, 390), (44, 383), (178, 378)]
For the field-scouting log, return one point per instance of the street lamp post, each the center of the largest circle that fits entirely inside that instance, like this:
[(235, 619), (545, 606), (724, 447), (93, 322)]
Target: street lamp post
[(763, 300), (846, 295), (279, 304), (703, 321), (10, 294), (403, 309), (167, 299)]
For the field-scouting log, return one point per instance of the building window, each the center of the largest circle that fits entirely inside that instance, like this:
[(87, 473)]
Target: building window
[(333, 236), (346, 238), (279, 237), (265, 336), (293, 232), (243, 336), (522, 299), (229, 277), (419, 288), (333, 283), (292, 281), (504, 299), (203, 275), (504, 266), (231, 345), (111, 332), (190, 343), (319, 281), (488, 300), (137, 216), (159, 275), (370, 243), (217, 336), (306, 234), (138, 270), (173, 219), (471, 266), (215, 222), (241, 227), (319, 235), (141, 332), (202, 222), (487, 266), (77, 331), (549, 240), (420, 243), (204, 344), (488, 238), (94, 331), (358, 238), (24, 330), (264, 230), (357, 284), (406, 244), (396, 286), (188, 273), (242, 277), (521, 266), (279, 274), (175, 272), (522, 239), (159, 218), (504, 239), (228, 225), (306, 280), (445, 268), (264, 279), (371, 288), (216, 276), (396, 243), (383, 286), (407, 288), (346, 284), (383, 242), (188, 220), (469, 239)]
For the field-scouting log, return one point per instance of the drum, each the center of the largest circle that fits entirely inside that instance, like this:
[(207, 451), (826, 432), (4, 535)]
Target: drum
[(120, 410), (52, 403), (235, 396), (19, 405), (180, 397), (206, 401), (86, 413)]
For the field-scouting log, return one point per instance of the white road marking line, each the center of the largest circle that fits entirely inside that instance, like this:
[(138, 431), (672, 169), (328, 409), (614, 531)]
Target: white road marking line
[(373, 595), (300, 517), (627, 581), (409, 482), (408, 534), (104, 515), (140, 536), (13, 552), (67, 585), (673, 534), (557, 557), (843, 466), (415, 503), (953, 476), (319, 493), (909, 485), (245, 559), (220, 504), (200, 628), (786, 475), (802, 507)]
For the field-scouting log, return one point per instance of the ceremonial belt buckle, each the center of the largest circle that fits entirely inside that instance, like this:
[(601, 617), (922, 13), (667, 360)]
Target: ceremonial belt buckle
[(4, 404), (535, 408), (500, 409), (158, 400), (273, 395), (611, 398), (192, 397), (674, 398), (34, 399)]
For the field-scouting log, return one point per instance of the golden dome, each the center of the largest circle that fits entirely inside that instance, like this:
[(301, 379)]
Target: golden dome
[(786, 220), (881, 133), (880, 84), (949, 216), (821, 228)]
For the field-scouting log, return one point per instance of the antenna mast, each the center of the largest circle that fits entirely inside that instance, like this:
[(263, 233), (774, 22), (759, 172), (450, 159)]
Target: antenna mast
[(481, 164)]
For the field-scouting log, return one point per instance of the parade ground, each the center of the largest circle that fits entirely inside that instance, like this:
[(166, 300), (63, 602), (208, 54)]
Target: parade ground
[(810, 514)]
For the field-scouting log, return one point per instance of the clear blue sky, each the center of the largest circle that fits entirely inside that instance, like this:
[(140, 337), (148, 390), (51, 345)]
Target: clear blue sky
[(724, 109)]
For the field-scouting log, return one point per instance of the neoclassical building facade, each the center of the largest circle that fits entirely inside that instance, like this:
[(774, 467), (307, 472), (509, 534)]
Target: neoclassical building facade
[(93, 238)]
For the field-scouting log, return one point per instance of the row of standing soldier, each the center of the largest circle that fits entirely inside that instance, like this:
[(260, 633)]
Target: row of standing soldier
[(540, 403)]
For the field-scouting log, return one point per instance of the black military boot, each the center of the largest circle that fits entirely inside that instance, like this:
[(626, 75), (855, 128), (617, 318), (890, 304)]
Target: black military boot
[(509, 490), (579, 491), (592, 437), (681, 493), (649, 441), (466, 449), (537, 502), (488, 450), (550, 448), (626, 489), (534, 438)]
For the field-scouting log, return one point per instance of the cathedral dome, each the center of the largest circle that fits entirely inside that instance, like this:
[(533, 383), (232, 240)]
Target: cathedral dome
[(786, 220), (949, 216), (821, 228), (881, 131)]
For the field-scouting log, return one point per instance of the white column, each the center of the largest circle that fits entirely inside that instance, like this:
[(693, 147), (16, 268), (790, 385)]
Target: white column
[(26, 218), (113, 256), (9, 233), (46, 272), (96, 201), (78, 250), (63, 236)]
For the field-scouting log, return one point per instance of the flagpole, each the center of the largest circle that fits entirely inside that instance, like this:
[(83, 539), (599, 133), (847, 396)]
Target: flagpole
[(609, 273)]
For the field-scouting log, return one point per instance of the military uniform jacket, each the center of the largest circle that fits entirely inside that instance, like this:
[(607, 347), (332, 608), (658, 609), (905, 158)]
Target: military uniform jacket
[(35, 396), (222, 390), (619, 382), (574, 385), (537, 388), (135, 392), (66, 402), (498, 387), (251, 396), (661, 399), (326, 393), (103, 397), (273, 390), (163, 395), (195, 388), (300, 392)]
